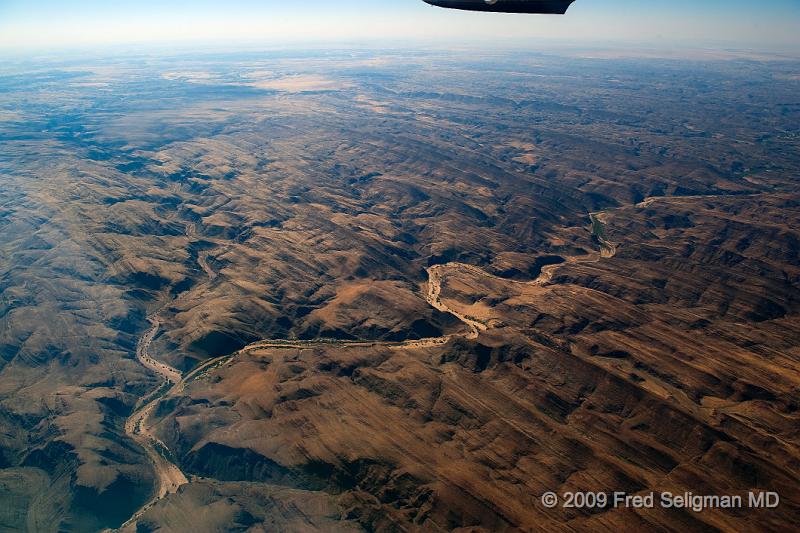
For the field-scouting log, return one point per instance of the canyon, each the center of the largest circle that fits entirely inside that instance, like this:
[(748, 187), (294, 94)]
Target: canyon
[(398, 290)]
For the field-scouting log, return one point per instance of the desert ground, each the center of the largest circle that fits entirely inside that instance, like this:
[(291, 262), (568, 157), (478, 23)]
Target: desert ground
[(400, 290)]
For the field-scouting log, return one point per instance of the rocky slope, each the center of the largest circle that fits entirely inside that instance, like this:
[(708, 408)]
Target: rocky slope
[(304, 196), (598, 380)]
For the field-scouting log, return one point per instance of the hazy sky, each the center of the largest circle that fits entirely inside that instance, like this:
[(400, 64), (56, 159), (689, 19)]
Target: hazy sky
[(762, 24)]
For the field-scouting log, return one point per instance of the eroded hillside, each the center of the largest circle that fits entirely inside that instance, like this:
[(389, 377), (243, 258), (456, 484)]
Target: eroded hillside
[(612, 245)]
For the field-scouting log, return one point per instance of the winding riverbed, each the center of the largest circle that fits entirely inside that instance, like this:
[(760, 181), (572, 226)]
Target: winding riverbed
[(169, 477)]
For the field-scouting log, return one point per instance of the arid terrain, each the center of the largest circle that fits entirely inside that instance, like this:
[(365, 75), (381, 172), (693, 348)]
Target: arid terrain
[(396, 291)]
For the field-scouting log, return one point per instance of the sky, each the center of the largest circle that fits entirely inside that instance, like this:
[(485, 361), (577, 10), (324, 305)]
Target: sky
[(58, 24)]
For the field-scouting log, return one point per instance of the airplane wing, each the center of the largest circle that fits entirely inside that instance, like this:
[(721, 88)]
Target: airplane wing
[(556, 7)]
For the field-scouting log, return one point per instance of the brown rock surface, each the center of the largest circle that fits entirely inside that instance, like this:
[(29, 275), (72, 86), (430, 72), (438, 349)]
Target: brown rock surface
[(597, 381), (613, 247)]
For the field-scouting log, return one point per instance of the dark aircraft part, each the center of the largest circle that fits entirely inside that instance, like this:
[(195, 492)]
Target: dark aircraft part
[(553, 7)]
